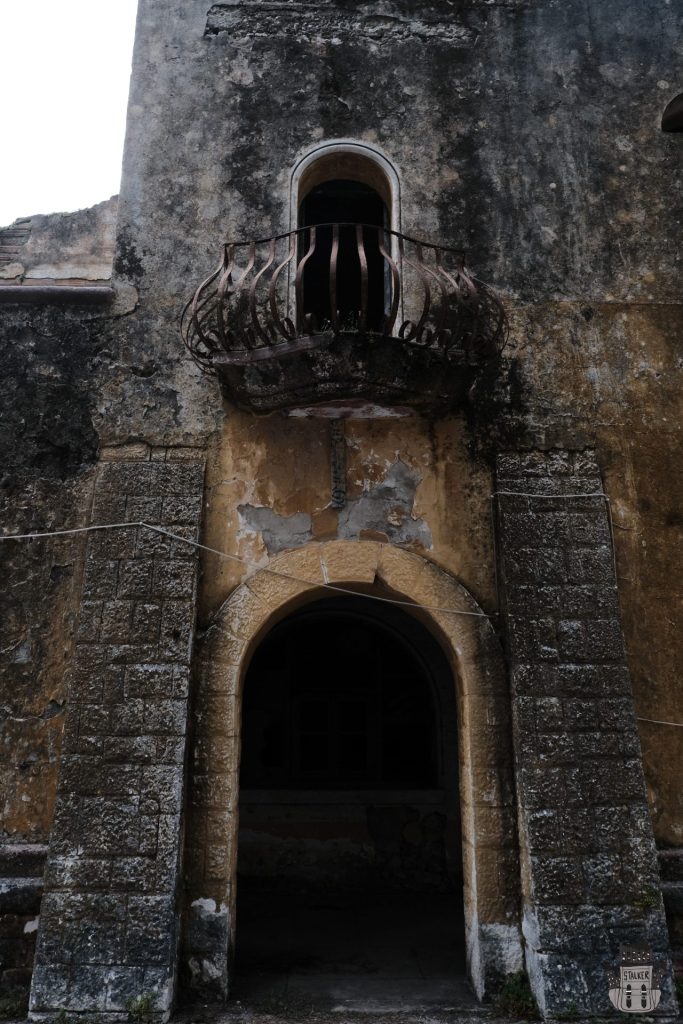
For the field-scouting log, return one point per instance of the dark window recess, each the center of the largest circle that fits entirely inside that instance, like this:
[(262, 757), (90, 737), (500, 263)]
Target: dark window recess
[(672, 119), (336, 701), (347, 203)]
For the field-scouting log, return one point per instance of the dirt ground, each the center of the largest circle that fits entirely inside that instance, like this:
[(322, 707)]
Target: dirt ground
[(301, 1014)]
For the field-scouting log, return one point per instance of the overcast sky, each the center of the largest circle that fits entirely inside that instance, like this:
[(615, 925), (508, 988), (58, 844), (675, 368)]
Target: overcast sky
[(64, 71)]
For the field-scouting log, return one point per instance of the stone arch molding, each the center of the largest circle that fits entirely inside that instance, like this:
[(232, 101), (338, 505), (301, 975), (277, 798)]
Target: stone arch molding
[(347, 153), (490, 861)]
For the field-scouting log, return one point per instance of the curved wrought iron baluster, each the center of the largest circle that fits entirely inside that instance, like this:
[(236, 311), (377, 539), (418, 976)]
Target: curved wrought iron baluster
[(424, 273), (446, 335), (253, 308), (441, 284), (203, 327), (190, 318), (305, 323), (390, 318), (224, 283), (249, 339), (284, 325), (201, 346), (363, 259), (491, 312), (448, 278), (416, 330), (470, 294), (334, 256)]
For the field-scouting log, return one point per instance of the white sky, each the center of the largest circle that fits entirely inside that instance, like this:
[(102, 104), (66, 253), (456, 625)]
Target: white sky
[(64, 74)]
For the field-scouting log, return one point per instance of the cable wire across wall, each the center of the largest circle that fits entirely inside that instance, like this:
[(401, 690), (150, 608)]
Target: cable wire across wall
[(299, 579)]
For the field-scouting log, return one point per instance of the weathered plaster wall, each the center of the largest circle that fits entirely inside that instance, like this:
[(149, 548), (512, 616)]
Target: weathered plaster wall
[(408, 482)]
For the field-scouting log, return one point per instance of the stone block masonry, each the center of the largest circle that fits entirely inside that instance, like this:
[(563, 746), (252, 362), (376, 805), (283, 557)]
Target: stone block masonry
[(108, 926), (589, 866)]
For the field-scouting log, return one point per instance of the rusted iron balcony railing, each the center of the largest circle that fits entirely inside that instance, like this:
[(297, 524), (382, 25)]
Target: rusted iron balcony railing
[(335, 287)]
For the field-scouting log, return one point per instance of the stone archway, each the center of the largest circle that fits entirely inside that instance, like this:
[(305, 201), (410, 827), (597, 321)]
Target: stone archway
[(490, 862)]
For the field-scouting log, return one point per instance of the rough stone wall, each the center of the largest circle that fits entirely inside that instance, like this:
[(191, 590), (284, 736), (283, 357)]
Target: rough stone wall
[(589, 865), (108, 917), (66, 248), (49, 446)]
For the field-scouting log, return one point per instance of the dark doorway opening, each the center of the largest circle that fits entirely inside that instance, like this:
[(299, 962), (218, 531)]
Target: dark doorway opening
[(346, 203), (349, 867)]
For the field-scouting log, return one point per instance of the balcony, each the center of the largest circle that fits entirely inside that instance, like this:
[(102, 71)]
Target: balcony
[(343, 315)]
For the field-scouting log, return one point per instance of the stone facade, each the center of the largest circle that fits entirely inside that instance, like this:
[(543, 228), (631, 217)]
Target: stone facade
[(528, 132)]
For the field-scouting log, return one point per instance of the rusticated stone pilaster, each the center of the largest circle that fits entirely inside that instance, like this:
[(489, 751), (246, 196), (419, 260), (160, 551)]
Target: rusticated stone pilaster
[(589, 866), (108, 927)]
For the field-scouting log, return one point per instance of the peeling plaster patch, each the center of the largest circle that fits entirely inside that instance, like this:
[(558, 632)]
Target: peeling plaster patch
[(204, 970), (207, 906), (387, 508), (31, 926), (209, 928), (279, 532)]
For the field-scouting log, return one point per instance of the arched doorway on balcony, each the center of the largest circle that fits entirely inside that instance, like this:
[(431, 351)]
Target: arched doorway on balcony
[(351, 218), (345, 199), (349, 852)]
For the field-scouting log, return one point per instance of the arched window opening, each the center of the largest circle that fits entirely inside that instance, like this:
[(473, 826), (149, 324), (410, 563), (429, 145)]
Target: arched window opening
[(672, 119)]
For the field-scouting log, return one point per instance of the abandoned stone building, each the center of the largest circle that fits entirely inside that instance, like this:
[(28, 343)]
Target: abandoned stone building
[(362, 405)]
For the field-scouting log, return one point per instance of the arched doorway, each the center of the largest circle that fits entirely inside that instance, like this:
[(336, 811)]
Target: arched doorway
[(469, 644), (349, 812), (345, 200)]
